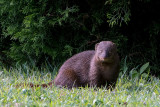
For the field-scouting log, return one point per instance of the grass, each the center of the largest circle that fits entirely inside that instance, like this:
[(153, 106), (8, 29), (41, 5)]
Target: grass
[(128, 92)]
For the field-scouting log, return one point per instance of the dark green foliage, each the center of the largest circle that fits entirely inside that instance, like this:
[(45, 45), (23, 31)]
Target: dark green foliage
[(34, 27), (119, 12), (53, 30)]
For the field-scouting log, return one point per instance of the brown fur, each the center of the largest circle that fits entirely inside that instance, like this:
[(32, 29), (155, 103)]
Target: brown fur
[(92, 68)]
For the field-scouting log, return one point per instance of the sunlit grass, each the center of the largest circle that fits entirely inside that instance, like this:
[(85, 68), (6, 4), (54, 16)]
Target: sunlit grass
[(128, 92)]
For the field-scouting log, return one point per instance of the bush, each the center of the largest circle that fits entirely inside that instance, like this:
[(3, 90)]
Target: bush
[(47, 30)]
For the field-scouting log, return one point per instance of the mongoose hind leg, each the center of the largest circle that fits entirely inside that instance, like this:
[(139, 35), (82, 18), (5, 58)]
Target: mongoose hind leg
[(68, 79)]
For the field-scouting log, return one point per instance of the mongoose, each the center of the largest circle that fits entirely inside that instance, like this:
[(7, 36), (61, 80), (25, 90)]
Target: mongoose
[(94, 68)]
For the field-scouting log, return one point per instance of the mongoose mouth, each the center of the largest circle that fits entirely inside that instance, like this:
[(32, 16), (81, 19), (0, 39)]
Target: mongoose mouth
[(107, 60), (104, 59)]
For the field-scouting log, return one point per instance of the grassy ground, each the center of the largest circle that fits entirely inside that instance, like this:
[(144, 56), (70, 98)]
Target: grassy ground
[(128, 92)]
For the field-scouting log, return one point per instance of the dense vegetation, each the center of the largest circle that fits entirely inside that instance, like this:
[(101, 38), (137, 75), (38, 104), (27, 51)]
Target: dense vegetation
[(43, 32)]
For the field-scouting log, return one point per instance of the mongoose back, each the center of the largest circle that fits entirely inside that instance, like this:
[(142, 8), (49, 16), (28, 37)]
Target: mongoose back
[(93, 68)]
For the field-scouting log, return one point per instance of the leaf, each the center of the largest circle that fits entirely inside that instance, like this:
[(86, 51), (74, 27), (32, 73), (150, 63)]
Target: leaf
[(134, 74), (125, 67), (145, 75), (144, 67)]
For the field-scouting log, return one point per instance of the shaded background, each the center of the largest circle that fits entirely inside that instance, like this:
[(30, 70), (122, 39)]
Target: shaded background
[(50, 31)]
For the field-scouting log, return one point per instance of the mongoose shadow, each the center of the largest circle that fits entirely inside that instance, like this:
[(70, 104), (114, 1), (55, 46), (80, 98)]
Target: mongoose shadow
[(93, 68)]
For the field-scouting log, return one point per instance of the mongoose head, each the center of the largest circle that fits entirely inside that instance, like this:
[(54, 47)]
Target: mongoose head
[(105, 51)]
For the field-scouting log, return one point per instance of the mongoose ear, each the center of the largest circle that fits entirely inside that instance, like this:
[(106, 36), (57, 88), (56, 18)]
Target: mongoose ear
[(96, 46)]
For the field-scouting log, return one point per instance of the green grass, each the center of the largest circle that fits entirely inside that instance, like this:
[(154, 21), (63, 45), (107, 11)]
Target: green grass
[(128, 92)]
